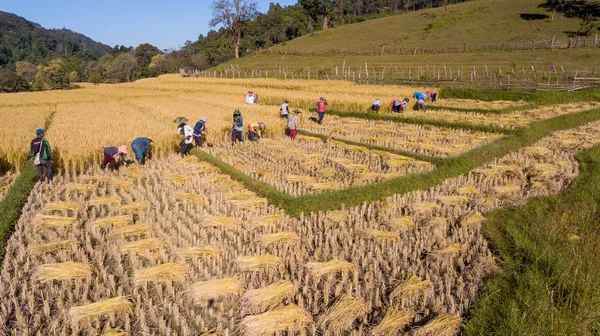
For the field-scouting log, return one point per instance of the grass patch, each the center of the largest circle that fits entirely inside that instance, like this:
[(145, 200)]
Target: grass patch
[(550, 266), (13, 202), (536, 99)]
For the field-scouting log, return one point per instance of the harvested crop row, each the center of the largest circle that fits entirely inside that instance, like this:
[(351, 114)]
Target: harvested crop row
[(514, 120), (476, 104), (183, 249), (428, 140), (6, 182), (309, 165)]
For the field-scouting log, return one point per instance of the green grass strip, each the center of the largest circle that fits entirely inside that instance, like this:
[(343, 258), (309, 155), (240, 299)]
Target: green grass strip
[(12, 204), (421, 157), (548, 250), (538, 98), (275, 197), (421, 121)]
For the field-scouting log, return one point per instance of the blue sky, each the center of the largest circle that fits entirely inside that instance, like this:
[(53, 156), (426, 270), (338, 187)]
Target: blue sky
[(163, 23)]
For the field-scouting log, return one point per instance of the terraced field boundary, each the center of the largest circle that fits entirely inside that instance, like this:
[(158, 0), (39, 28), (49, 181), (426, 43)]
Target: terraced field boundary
[(12, 204), (419, 121), (448, 168), (550, 267)]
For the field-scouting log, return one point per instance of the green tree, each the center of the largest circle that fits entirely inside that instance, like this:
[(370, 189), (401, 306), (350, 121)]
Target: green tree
[(12, 82), (95, 78), (26, 70), (73, 77), (121, 68), (53, 76), (556, 4), (232, 14)]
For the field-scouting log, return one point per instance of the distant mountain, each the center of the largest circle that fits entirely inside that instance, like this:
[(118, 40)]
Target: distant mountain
[(23, 40)]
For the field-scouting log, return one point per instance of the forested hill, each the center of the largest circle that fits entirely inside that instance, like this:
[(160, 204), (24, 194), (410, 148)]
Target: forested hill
[(23, 40)]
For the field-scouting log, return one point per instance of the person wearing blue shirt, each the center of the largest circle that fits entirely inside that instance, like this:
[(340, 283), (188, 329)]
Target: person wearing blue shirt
[(199, 130), (141, 149), (419, 95), (238, 127)]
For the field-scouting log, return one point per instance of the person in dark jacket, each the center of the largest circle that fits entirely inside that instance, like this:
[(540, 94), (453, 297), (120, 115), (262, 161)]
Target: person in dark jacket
[(199, 131), (238, 127), (141, 148), (41, 146), (111, 154)]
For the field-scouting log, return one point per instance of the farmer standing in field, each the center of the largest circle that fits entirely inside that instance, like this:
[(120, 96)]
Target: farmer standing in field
[(376, 105), (142, 149), (293, 123), (321, 109), (238, 127), (255, 130), (284, 110), (251, 98), (186, 144), (111, 154), (199, 131), (42, 155)]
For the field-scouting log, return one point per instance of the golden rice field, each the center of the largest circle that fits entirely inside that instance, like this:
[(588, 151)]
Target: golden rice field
[(308, 165), (177, 248)]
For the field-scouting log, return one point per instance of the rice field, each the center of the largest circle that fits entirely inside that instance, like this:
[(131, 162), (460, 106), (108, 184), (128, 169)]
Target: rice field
[(309, 165), (177, 247)]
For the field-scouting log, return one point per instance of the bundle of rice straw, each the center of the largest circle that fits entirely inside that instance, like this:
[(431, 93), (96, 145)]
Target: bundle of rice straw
[(410, 289), (424, 207), (206, 168), (259, 300), (111, 200), (309, 138), (318, 269), (132, 230), (80, 187), (450, 250), (62, 271), (386, 207), (134, 207), (453, 200), (134, 173), (382, 154), (393, 322), (176, 177), (368, 176), (379, 235), (188, 159), (341, 161), (214, 289), (356, 167), (115, 332), (273, 322), (117, 305), (202, 251), (443, 325), (218, 221), (116, 221), (251, 203), (299, 179), (95, 178), (229, 186), (279, 237), (218, 178), (404, 223), (267, 220), (325, 186), (64, 206), (468, 190), (473, 218), (54, 246), (537, 152), (341, 316), (187, 197), (164, 272), (258, 263), (327, 172), (265, 174), (141, 247), (507, 189), (122, 184), (54, 221), (337, 216), (359, 149), (241, 195), (398, 161)]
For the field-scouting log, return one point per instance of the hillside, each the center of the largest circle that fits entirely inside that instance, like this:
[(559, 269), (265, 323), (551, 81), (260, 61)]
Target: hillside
[(483, 32), (21, 40)]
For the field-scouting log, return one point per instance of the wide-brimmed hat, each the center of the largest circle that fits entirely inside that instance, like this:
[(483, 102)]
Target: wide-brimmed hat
[(180, 120), (204, 119), (297, 111), (322, 98), (122, 149), (237, 112)]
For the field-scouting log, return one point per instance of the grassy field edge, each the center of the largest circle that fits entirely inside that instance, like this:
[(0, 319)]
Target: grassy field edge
[(548, 252), (12, 204)]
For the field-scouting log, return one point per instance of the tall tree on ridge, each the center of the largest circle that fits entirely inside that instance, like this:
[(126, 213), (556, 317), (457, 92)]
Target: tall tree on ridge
[(232, 14)]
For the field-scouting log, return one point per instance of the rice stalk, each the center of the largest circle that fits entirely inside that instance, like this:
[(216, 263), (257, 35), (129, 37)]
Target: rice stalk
[(325, 186), (202, 251), (132, 230), (134, 207), (379, 235), (115, 222), (258, 263), (206, 168), (507, 189), (117, 305), (240, 195), (115, 332), (327, 172), (443, 325), (122, 184), (95, 178), (62, 271), (176, 178), (393, 322), (64, 206), (259, 300), (267, 220), (299, 179), (221, 222), (53, 247), (282, 319), (410, 289), (450, 250), (404, 223), (453, 200), (473, 218), (318, 269), (265, 174), (337, 216), (279, 237), (468, 190), (424, 207), (164, 272), (141, 247), (341, 316), (49, 221), (80, 187), (191, 198), (111, 200), (214, 289)]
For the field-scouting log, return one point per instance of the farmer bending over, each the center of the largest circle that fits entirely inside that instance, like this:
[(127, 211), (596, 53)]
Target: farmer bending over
[(376, 105), (186, 144), (199, 131), (142, 149), (111, 154), (255, 130)]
